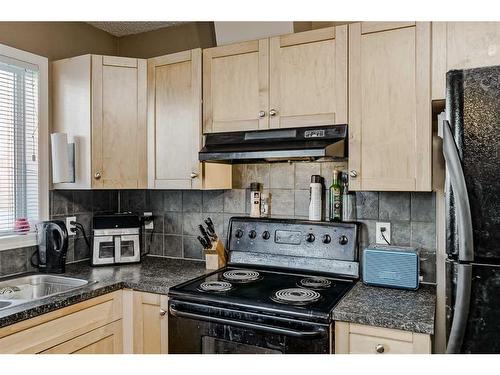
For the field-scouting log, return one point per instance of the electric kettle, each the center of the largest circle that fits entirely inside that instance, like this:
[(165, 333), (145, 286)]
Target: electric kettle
[(52, 243)]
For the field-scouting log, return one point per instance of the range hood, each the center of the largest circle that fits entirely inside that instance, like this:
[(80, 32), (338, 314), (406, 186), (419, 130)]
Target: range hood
[(309, 143)]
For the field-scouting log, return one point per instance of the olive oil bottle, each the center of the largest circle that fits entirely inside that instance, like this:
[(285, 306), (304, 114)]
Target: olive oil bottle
[(335, 198)]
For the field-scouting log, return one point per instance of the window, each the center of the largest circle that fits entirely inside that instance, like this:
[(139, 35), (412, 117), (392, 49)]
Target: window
[(23, 126)]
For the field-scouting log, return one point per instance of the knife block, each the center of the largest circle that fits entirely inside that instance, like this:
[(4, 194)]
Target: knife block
[(215, 257)]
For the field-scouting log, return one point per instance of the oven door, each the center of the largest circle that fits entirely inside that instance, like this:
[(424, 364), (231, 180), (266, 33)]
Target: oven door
[(127, 248), (103, 250), (196, 328)]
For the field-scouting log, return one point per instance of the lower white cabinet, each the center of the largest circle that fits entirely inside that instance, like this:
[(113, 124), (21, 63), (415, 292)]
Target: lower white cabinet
[(351, 338)]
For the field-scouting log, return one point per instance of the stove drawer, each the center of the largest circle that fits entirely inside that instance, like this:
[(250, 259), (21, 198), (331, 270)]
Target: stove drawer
[(351, 338)]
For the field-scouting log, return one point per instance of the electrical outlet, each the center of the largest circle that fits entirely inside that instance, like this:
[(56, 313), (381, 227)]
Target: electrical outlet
[(149, 225), (378, 234), (69, 219)]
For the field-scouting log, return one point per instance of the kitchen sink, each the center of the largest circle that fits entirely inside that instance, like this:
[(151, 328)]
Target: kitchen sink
[(33, 287)]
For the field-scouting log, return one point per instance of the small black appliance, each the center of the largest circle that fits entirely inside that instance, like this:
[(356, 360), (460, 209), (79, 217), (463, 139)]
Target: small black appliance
[(52, 243)]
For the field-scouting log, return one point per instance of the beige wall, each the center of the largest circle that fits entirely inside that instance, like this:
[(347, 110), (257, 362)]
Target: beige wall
[(168, 40), (57, 40)]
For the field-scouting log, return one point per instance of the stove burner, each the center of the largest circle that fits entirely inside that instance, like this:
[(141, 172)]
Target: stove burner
[(315, 283), (296, 296), (215, 286), (242, 276)]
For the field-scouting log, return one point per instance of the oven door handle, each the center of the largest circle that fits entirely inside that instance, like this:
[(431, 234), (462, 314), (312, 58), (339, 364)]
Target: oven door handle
[(237, 323)]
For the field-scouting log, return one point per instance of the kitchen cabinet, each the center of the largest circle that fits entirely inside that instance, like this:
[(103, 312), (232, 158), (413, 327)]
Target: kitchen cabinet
[(150, 323), (390, 125), (175, 125), (100, 102), (308, 78), (286, 81), (462, 45), (92, 326), (351, 338)]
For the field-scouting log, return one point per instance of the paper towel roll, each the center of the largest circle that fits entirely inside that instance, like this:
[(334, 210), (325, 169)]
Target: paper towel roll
[(60, 159)]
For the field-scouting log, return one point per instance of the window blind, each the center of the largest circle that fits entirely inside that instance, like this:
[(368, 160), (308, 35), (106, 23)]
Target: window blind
[(18, 147)]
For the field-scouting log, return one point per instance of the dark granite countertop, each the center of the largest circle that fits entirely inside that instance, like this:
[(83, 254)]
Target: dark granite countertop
[(153, 274), (389, 308)]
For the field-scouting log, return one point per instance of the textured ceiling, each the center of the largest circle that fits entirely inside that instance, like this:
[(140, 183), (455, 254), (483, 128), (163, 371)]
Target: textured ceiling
[(119, 28)]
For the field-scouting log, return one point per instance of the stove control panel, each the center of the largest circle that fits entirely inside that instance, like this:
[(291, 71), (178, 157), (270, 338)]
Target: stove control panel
[(294, 238)]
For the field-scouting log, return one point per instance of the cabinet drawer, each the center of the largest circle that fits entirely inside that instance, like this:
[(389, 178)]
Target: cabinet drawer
[(360, 344), (48, 330)]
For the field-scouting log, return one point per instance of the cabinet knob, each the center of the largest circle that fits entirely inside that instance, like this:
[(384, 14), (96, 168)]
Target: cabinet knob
[(163, 312), (273, 112), (380, 348), (262, 114), (194, 175), (97, 175), (353, 173)]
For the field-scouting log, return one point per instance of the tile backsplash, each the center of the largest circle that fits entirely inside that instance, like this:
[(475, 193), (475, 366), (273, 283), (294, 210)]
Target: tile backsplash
[(177, 213)]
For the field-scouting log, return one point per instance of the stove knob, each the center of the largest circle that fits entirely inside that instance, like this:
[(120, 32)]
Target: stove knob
[(252, 234), (343, 240), (239, 233), (327, 238), (266, 235), (310, 237)]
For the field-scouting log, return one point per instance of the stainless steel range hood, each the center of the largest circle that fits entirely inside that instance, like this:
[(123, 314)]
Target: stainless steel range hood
[(309, 143)]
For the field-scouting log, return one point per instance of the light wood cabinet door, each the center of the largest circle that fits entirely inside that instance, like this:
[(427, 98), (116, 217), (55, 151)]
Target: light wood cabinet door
[(103, 340), (76, 327), (351, 338), (235, 87), (119, 123), (174, 120), (462, 45), (150, 323), (308, 78), (390, 125)]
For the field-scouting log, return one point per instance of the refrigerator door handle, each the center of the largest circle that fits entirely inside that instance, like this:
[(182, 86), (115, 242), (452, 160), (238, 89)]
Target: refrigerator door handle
[(461, 308), (457, 179)]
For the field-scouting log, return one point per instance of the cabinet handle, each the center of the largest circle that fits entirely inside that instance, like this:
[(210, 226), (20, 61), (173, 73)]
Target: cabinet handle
[(163, 312), (262, 114), (353, 173), (380, 348), (194, 175), (273, 112), (97, 175)]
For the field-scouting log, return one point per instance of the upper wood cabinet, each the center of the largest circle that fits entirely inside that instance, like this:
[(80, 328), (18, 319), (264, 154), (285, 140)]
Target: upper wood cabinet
[(174, 125), (308, 78), (285, 81), (462, 45), (100, 102), (235, 87), (390, 106)]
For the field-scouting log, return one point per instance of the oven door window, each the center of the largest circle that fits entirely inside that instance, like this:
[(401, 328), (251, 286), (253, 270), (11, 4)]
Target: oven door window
[(127, 248), (103, 250), (212, 345)]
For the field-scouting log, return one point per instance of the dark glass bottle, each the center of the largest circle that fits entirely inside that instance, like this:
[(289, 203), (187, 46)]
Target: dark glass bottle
[(335, 198)]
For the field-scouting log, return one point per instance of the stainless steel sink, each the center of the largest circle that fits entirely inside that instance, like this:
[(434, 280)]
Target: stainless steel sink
[(33, 287)]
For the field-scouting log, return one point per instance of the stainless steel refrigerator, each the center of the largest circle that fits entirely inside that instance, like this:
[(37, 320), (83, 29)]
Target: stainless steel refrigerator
[(471, 146)]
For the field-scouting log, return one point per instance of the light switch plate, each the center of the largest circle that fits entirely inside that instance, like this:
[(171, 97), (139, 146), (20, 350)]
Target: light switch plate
[(378, 234), (149, 225), (69, 219)]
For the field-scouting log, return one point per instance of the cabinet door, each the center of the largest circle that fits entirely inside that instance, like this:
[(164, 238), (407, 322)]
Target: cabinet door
[(235, 87), (174, 120), (118, 123), (103, 340), (389, 106), (308, 75), (462, 45), (150, 323)]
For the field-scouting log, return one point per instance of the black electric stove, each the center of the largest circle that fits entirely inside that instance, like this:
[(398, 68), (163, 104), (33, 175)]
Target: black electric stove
[(283, 279)]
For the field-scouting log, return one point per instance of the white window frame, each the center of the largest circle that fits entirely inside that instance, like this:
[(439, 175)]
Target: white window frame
[(24, 240)]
